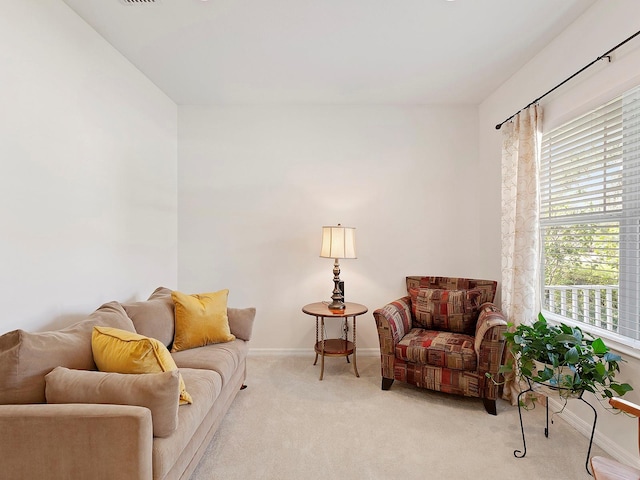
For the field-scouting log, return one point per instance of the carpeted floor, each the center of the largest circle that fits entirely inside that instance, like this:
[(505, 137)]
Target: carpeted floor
[(288, 425)]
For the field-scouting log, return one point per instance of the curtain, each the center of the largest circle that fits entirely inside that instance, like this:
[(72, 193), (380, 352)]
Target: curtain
[(521, 139)]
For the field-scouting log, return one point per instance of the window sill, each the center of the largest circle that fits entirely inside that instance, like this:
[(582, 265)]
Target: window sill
[(623, 345)]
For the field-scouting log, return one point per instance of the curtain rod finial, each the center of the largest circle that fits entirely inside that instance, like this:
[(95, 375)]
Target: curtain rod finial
[(498, 126)]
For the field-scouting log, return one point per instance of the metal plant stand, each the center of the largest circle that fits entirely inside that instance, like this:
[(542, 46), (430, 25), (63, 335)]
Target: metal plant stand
[(523, 452)]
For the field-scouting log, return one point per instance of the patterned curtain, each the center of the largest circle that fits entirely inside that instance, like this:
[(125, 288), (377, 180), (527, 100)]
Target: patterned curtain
[(521, 141)]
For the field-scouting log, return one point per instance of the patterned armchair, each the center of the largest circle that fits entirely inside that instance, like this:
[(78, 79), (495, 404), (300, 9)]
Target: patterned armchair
[(445, 336)]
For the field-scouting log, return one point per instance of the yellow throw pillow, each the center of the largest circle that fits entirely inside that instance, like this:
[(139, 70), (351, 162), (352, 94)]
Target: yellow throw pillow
[(201, 319), (119, 351)]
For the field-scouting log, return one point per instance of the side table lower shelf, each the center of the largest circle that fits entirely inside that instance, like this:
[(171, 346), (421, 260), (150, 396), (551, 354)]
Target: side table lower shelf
[(335, 347)]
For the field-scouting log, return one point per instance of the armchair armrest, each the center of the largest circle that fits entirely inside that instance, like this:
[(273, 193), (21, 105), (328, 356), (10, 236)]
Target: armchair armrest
[(489, 339), (393, 322), (65, 441)]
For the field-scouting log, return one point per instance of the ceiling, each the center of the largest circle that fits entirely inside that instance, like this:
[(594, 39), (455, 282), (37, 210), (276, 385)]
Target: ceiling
[(329, 51)]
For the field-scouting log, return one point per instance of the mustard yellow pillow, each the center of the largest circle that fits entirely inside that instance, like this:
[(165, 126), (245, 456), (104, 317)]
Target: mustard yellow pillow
[(119, 351), (201, 319)]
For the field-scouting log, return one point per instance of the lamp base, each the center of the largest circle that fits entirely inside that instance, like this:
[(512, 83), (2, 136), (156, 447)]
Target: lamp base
[(337, 297), (336, 305)]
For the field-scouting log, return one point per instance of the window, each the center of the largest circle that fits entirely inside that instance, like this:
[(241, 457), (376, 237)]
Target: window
[(590, 218)]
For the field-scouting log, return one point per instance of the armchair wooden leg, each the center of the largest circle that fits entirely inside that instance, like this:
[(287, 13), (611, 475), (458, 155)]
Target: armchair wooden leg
[(490, 406), (386, 383)]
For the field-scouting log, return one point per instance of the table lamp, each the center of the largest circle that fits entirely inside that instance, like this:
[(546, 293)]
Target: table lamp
[(338, 242)]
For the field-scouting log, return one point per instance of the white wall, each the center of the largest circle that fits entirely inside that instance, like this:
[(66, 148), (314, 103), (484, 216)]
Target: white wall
[(603, 26), (88, 179), (256, 184)]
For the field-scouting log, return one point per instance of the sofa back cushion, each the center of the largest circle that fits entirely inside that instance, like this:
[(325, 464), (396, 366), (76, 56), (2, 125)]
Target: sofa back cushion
[(25, 358), (241, 322), (154, 317), (448, 310), (487, 287)]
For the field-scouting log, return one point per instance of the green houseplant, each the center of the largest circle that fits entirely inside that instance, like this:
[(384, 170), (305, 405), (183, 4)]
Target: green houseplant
[(563, 358)]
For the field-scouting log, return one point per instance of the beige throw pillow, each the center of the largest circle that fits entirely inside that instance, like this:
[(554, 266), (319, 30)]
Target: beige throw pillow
[(157, 391), (241, 322)]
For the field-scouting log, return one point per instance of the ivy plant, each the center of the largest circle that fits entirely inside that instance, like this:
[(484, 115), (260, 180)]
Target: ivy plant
[(574, 361)]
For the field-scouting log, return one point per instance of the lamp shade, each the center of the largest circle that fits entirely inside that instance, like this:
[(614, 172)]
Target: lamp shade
[(338, 242)]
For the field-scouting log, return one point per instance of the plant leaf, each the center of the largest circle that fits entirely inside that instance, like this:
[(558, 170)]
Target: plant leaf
[(599, 348), (568, 338), (577, 333), (600, 370), (612, 357), (621, 388), (572, 355)]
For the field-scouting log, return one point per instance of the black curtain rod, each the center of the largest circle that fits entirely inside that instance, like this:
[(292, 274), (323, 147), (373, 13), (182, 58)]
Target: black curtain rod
[(604, 55)]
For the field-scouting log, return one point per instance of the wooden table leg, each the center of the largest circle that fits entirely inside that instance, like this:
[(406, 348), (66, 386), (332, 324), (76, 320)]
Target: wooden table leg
[(314, 345), (355, 366), (322, 347)]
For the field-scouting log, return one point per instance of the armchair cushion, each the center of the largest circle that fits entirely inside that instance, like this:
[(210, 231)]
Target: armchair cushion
[(487, 287), (450, 310), (439, 349)]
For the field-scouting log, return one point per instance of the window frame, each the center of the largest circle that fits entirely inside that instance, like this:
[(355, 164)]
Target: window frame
[(628, 345)]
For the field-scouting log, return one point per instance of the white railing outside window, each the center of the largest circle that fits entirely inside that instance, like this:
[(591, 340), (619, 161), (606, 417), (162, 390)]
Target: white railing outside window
[(595, 305)]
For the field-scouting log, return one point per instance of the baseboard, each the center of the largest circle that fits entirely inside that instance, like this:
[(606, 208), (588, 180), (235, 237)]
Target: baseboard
[(304, 352), (604, 442)]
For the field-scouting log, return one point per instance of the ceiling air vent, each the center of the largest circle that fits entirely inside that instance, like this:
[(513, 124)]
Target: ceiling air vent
[(138, 2)]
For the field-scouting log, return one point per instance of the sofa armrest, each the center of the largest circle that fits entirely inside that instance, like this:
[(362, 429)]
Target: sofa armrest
[(489, 338), (76, 441), (393, 322)]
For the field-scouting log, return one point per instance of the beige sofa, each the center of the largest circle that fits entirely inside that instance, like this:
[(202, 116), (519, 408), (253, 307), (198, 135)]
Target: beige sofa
[(41, 440)]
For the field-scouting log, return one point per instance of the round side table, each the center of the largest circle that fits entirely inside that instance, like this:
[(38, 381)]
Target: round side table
[(334, 347)]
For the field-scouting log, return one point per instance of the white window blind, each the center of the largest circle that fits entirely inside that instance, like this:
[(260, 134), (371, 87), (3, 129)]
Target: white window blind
[(590, 217)]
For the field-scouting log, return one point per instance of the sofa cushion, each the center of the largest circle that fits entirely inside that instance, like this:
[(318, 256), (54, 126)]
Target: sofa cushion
[(241, 322), (201, 319), (440, 349), (205, 387), (154, 317), (25, 358), (448, 310), (119, 351), (223, 358), (159, 392)]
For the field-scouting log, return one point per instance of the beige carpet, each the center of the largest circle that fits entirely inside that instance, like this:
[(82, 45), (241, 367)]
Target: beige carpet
[(288, 425)]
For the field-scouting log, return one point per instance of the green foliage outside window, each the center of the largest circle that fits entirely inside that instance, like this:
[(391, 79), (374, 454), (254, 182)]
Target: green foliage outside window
[(583, 255)]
